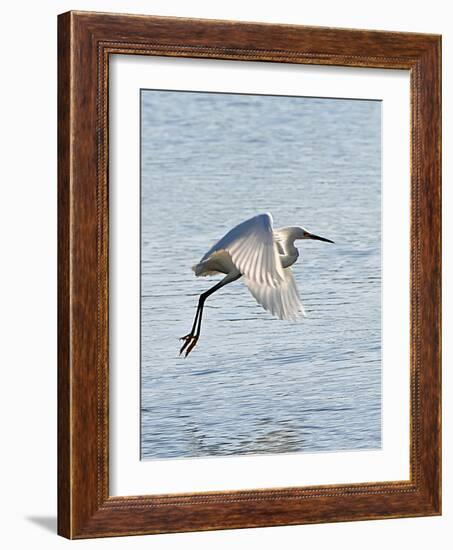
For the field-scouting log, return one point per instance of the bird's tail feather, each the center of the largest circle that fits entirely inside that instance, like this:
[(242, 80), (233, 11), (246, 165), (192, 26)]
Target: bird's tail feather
[(201, 271)]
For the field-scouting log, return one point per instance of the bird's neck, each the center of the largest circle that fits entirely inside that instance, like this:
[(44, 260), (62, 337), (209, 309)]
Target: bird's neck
[(290, 257), (290, 248), (288, 252)]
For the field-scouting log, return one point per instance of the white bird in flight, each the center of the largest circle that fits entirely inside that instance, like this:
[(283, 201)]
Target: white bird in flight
[(263, 256)]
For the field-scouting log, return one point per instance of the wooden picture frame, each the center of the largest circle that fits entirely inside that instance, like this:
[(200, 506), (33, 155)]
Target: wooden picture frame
[(85, 42)]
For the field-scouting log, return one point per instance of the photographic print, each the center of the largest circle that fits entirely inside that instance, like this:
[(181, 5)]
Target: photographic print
[(260, 274)]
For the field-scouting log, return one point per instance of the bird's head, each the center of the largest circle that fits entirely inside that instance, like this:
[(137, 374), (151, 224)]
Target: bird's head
[(302, 233)]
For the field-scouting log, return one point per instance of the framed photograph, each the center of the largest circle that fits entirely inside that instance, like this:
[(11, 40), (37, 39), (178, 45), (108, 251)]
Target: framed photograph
[(249, 275)]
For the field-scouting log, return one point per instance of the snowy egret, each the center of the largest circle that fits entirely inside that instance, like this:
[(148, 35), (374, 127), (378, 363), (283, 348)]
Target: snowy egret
[(263, 256)]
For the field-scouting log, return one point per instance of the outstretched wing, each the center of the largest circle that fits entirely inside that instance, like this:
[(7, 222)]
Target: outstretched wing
[(283, 300), (253, 251)]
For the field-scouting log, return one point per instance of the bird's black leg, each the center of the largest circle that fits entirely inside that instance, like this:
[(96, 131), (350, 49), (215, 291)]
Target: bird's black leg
[(191, 339)]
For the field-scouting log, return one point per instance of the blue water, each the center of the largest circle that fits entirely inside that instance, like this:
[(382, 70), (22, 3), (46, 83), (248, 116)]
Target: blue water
[(255, 384)]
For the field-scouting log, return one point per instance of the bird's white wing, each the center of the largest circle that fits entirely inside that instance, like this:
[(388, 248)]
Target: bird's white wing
[(283, 300), (253, 251)]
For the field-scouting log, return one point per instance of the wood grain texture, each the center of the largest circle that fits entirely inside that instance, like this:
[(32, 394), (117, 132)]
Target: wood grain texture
[(85, 42), (64, 308)]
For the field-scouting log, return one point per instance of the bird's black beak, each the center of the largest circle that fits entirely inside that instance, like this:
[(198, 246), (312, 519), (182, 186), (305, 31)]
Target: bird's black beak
[(317, 238)]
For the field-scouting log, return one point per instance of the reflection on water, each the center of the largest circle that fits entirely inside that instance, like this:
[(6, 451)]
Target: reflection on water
[(255, 384)]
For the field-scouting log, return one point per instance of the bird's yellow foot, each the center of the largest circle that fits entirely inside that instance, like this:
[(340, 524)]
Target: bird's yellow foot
[(190, 341)]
